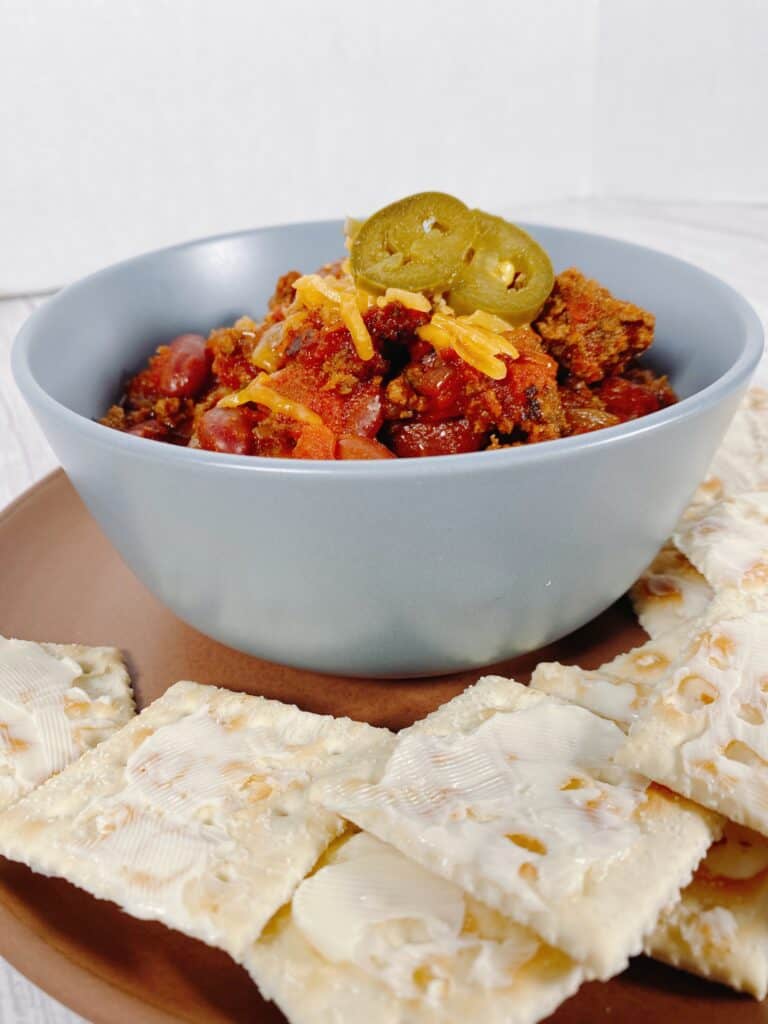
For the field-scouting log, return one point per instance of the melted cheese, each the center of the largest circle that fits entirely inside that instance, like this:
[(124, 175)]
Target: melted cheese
[(259, 391)]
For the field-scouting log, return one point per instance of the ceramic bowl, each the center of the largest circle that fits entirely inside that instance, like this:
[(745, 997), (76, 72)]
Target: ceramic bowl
[(391, 568)]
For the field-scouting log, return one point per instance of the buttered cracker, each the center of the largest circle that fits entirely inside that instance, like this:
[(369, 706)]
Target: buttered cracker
[(670, 591), (619, 690), (704, 733), (721, 538), (372, 936), (195, 814), (728, 542), (741, 461), (719, 929), (496, 790), (56, 701)]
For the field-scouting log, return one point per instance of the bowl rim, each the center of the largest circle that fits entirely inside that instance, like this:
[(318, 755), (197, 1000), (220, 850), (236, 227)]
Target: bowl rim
[(735, 377)]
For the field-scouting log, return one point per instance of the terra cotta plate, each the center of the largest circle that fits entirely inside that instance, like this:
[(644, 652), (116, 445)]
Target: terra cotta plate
[(61, 581)]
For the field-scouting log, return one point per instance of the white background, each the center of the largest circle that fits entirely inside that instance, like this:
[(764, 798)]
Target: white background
[(127, 124)]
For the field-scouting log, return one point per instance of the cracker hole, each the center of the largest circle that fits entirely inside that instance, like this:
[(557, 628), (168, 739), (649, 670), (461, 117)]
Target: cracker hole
[(595, 803), (573, 784), (663, 589), (720, 649), (528, 872), (695, 693), (757, 575), (650, 661), (423, 976), (741, 753), (751, 713), (526, 842)]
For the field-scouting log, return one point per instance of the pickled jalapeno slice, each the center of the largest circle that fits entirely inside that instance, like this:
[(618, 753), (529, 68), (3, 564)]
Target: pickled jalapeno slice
[(417, 244), (505, 272)]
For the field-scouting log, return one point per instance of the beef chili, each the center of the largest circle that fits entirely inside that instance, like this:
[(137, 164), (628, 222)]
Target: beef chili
[(444, 331)]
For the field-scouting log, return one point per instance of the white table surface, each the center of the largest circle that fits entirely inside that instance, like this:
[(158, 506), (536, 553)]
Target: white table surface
[(731, 240)]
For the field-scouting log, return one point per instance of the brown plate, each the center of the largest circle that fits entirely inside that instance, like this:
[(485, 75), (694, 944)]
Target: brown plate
[(61, 581)]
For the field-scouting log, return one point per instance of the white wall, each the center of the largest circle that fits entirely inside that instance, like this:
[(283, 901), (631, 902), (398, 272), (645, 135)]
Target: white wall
[(127, 124), (682, 99)]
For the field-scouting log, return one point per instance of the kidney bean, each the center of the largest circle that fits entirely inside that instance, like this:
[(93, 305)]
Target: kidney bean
[(183, 372), (152, 429), (362, 448), (225, 430), (417, 438)]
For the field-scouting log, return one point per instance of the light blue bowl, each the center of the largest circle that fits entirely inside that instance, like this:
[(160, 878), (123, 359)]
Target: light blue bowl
[(397, 568)]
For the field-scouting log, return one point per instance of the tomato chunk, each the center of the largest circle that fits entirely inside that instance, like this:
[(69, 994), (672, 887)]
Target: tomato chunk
[(627, 400), (355, 410), (315, 442)]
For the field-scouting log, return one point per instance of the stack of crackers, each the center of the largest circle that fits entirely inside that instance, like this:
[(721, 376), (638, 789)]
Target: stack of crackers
[(479, 865)]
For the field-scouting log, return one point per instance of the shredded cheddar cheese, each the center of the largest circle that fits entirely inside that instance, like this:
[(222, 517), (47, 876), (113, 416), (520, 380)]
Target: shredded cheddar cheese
[(478, 339), (355, 324), (313, 290), (340, 294), (259, 391), (411, 300), (487, 320), (472, 340)]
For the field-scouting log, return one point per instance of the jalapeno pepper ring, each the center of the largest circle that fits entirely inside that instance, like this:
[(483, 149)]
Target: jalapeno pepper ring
[(506, 273), (417, 244)]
